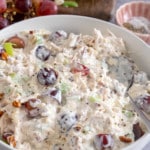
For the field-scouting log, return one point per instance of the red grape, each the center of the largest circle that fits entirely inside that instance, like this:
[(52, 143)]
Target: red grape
[(3, 6), (46, 7), (102, 141), (23, 5), (3, 22)]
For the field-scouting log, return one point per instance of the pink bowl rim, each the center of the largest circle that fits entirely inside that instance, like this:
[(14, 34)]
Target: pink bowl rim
[(126, 5)]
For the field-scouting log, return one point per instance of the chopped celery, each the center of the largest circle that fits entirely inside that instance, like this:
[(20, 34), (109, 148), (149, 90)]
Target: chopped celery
[(9, 48), (39, 39), (64, 87), (86, 129), (17, 78), (7, 90), (128, 113), (12, 75), (66, 61), (94, 99), (74, 98), (70, 4), (25, 78)]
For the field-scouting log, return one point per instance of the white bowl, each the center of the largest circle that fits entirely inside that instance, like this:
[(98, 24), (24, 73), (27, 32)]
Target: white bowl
[(139, 51)]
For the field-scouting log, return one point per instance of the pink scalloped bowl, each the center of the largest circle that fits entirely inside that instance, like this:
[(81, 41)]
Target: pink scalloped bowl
[(134, 9)]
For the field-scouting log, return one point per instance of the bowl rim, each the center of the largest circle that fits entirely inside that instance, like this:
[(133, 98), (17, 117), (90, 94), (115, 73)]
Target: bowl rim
[(82, 19), (126, 5)]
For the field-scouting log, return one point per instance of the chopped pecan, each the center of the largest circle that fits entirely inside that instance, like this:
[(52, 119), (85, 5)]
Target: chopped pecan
[(125, 139), (1, 113), (16, 103), (11, 140), (32, 107), (56, 94), (4, 56), (16, 41), (1, 96), (77, 128), (32, 103)]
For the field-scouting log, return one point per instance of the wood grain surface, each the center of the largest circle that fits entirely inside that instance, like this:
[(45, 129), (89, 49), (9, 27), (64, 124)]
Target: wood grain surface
[(94, 8), (102, 9)]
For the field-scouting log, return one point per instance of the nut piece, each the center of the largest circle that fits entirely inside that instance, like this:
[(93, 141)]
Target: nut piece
[(77, 128), (125, 139), (11, 140), (16, 104), (1, 96), (32, 103), (32, 107), (4, 56), (1, 113), (16, 41)]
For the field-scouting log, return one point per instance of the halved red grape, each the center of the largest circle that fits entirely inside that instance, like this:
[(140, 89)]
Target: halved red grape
[(9, 137), (102, 141), (58, 37), (137, 130), (77, 67), (67, 120), (23, 5), (46, 7), (47, 76), (55, 93), (144, 103), (7, 134), (32, 103), (32, 107), (42, 52), (3, 6)]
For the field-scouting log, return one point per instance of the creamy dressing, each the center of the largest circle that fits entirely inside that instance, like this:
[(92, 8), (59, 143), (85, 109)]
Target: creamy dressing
[(87, 99)]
